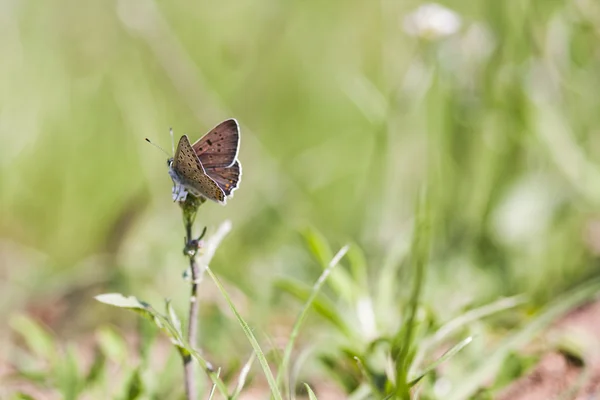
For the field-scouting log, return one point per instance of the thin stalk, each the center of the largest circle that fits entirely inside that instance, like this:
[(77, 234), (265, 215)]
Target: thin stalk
[(287, 354), (420, 258), (189, 209), (275, 393)]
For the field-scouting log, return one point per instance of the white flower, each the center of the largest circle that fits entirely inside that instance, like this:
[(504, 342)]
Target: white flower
[(526, 212), (432, 21)]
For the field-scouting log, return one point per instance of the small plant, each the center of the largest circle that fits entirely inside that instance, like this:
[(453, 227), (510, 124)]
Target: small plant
[(209, 169), (383, 351), (74, 371), (199, 253), (383, 337), (206, 169)]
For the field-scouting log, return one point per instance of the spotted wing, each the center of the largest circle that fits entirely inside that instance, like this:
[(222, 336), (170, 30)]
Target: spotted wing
[(191, 174), (219, 147), (228, 178)]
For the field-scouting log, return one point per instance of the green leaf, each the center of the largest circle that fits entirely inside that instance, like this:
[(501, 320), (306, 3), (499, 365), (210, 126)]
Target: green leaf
[(446, 356), (68, 377), (96, 370), (403, 346), (214, 387), (459, 322), (253, 342), (311, 394), (147, 335), (37, 338), (321, 303), (489, 365), (318, 246), (358, 266), (112, 345), (33, 375), (22, 396), (118, 300), (309, 302), (145, 309), (173, 318), (135, 385), (367, 376), (243, 376), (340, 281), (163, 322), (514, 366), (387, 287)]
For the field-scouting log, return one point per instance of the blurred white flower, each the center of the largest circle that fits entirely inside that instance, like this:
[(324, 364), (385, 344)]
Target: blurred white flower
[(526, 211), (432, 21), (478, 43), (366, 316)]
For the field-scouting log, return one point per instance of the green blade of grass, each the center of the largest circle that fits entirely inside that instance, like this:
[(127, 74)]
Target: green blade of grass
[(243, 376), (311, 394), (69, 380), (363, 392), (340, 281), (446, 356), (164, 324), (402, 349), (359, 268), (248, 332), (386, 293), (368, 377), (486, 369), (455, 324), (309, 302), (322, 305), (318, 246), (173, 318), (214, 386), (135, 385), (37, 338), (112, 344)]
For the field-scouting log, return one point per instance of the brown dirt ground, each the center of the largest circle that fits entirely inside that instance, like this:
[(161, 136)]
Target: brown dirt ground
[(559, 376)]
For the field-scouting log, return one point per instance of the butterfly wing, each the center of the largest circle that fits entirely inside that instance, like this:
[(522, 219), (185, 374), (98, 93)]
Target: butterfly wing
[(219, 147), (192, 175), (228, 178)]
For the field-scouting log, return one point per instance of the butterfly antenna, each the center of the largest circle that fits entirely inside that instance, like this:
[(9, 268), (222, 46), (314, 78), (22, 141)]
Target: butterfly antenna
[(172, 140), (158, 147)]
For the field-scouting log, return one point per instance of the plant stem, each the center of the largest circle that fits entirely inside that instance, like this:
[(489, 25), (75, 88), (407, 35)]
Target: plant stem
[(189, 208), (192, 337), (420, 257)]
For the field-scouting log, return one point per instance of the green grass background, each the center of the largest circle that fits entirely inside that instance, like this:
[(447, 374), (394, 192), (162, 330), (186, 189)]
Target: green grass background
[(344, 118)]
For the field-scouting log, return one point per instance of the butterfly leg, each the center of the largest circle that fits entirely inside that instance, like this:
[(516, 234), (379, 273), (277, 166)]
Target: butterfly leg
[(179, 192)]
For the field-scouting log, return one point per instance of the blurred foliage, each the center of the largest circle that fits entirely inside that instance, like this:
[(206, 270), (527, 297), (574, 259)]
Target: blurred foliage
[(347, 109)]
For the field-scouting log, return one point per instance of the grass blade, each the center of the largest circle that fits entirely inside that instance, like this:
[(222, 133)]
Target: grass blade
[(462, 320), (164, 323), (300, 319), (446, 356), (214, 386), (311, 394), (248, 332), (487, 368), (321, 304), (37, 338), (403, 343), (340, 281), (243, 376)]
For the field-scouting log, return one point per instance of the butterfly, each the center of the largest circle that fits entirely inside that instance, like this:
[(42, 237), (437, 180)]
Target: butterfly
[(208, 168)]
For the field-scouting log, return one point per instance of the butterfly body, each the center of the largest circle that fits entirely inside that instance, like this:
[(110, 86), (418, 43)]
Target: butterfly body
[(208, 168)]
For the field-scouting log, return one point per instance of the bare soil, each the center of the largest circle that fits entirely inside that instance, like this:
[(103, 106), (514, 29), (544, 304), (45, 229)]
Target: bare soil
[(559, 375)]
